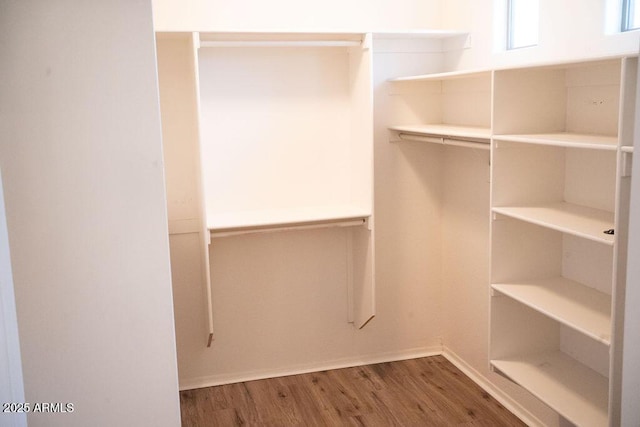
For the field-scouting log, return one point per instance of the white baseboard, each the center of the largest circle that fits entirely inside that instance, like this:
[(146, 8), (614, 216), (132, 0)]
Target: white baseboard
[(505, 400), (349, 362)]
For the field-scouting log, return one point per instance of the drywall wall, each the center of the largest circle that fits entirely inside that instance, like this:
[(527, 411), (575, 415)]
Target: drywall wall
[(82, 167), (12, 385), (293, 15), (571, 29)]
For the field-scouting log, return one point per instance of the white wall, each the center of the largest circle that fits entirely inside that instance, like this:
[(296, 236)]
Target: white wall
[(82, 167), (257, 15), (12, 385), (571, 29)]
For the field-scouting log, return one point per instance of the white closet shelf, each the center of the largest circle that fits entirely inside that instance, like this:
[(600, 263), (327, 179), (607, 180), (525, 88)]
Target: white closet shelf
[(451, 75), (581, 221), (418, 34), (573, 390), (280, 39), (474, 133), (564, 139), (570, 303), (242, 36), (253, 221)]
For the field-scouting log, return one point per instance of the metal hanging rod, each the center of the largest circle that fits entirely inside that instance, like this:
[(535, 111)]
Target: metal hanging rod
[(288, 227), (457, 142)]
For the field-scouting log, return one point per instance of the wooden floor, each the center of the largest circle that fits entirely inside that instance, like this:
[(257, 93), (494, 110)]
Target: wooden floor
[(419, 392)]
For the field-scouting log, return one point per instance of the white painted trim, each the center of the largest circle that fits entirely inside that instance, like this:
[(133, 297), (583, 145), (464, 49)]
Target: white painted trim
[(349, 362), (505, 400)]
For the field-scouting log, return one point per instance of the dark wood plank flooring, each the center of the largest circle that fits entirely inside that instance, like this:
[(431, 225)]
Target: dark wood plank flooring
[(420, 392)]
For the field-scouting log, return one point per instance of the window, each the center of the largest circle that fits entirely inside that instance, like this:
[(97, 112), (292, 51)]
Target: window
[(630, 15), (522, 23)]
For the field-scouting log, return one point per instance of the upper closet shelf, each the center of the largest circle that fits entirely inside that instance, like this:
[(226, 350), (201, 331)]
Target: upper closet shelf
[(564, 139), (476, 134), (443, 76), (277, 39), (419, 34), (576, 220), (627, 149), (222, 224)]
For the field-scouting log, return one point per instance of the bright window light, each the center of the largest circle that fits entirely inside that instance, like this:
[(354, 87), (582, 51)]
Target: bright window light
[(522, 23), (630, 15)]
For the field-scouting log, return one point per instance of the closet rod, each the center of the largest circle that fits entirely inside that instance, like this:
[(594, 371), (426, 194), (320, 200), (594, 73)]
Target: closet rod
[(288, 227), (280, 43), (457, 142)]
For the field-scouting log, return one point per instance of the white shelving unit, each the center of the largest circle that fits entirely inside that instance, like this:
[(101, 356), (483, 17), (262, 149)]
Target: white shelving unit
[(269, 156), (285, 140), (558, 135), (561, 139)]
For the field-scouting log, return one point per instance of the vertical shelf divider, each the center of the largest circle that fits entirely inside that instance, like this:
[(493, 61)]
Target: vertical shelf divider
[(205, 235)]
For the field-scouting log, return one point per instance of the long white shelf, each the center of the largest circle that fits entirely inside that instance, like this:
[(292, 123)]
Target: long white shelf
[(564, 139), (451, 75), (418, 34), (446, 131), (580, 221), (571, 303), (573, 390), (281, 218)]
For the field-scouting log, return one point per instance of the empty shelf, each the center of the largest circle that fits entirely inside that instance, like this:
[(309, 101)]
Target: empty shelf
[(627, 149), (276, 39), (573, 390), (573, 304), (567, 218), (443, 76), (563, 139)]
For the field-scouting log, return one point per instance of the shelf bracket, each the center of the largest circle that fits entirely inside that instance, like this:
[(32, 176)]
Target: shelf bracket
[(361, 297), (366, 42), (208, 284)]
